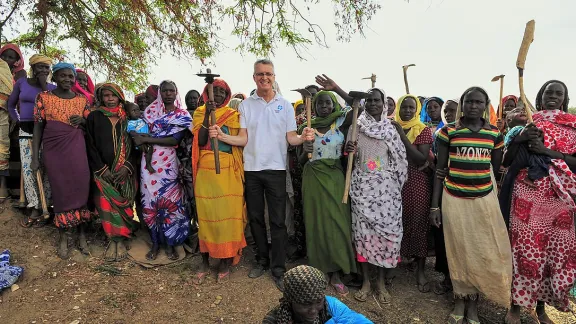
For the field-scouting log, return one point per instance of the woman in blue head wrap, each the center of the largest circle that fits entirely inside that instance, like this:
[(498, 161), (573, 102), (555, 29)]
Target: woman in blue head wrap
[(431, 113), (57, 117)]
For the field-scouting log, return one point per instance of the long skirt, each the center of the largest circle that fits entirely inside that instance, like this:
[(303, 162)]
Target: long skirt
[(477, 247), (416, 195), (30, 180), (221, 208), (66, 163), (543, 245), (163, 197), (328, 221)]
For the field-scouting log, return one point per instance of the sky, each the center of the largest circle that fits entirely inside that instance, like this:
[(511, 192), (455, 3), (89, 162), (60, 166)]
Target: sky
[(455, 44)]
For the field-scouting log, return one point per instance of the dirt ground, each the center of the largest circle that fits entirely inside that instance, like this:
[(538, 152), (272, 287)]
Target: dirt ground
[(85, 289)]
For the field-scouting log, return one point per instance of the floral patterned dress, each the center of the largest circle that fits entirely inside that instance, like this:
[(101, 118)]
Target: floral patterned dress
[(542, 222), (163, 194), (381, 169)]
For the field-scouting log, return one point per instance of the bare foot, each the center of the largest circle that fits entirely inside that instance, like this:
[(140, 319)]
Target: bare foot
[(542, 316), (171, 253), (121, 252), (513, 315), (35, 214), (111, 252), (83, 244), (63, 246), (153, 253), (128, 244)]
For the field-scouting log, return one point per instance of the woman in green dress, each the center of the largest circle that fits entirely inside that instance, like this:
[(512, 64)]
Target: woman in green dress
[(327, 220)]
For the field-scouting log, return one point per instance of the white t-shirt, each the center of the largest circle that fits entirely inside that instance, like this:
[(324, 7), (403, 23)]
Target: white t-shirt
[(266, 125)]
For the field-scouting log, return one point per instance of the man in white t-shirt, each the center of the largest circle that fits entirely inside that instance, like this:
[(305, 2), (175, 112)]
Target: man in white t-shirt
[(269, 122)]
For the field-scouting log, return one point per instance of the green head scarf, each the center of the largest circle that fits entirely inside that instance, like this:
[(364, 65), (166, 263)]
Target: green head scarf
[(319, 122)]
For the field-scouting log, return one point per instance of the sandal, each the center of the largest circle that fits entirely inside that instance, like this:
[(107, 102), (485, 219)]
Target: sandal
[(424, 288), (200, 277), (361, 295), (40, 223), (223, 277), (469, 321), (27, 222), (341, 289), (383, 297), (3, 199), (456, 319)]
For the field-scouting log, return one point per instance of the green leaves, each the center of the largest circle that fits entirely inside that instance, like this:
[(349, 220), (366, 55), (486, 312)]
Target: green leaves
[(119, 38)]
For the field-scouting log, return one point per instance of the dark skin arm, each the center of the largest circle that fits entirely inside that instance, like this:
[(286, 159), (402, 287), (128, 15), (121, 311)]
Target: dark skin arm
[(537, 147), (328, 84), (36, 143), (139, 139), (417, 154), (441, 164), (307, 147), (496, 159)]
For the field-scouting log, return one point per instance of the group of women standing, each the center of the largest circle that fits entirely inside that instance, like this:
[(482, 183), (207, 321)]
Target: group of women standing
[(418, 167)]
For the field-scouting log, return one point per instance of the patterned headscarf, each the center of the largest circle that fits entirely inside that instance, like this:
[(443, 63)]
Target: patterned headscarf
[(414, 125), (117, 91), (18, 65), (218, 83), (302, 285), (163, 123)]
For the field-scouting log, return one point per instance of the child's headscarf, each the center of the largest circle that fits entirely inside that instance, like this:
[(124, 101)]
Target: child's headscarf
[(414, 125)]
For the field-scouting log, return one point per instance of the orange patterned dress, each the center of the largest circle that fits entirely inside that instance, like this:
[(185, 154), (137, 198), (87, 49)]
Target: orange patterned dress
[(64, 156)]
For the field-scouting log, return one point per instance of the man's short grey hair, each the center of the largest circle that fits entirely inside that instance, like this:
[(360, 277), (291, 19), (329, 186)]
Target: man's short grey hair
[(264, 61)]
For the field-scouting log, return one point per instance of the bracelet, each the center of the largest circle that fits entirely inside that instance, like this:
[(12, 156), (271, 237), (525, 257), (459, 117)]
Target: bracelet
[(434, 209)]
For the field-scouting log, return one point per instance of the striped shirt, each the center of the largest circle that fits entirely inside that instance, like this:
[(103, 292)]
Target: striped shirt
[(470, 154)]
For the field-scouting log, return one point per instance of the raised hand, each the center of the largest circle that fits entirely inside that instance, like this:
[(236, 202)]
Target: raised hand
[(326, 83)]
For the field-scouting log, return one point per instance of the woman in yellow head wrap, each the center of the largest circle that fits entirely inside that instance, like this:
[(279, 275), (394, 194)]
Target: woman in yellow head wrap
[(417, 190)]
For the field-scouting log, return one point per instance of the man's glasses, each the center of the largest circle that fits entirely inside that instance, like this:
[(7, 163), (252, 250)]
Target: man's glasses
[(261, 74)]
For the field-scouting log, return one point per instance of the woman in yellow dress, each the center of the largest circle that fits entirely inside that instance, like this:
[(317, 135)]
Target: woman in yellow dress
[(219, 198)]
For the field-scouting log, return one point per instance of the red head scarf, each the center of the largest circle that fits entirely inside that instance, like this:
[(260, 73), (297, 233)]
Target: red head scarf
[(19, 65), (510, 97), (78, 89), (218, 83), (152, 91)]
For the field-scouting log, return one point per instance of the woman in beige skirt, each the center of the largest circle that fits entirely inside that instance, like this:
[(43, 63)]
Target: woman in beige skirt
[(477, 244)]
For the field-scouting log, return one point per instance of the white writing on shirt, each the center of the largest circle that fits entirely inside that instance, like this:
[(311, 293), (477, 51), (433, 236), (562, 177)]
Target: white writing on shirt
[(473, 153)]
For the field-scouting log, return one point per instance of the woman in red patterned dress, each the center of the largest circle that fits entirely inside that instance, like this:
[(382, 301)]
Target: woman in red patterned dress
[(417, 191), (542, 213)]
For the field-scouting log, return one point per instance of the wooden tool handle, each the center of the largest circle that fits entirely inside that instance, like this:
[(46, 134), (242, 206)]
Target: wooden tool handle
[(309, 117), (527, 105), (406, 80), (501, 104), (214, 143), (45, 212), (22, 194), (526, 41), (353, 136)]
